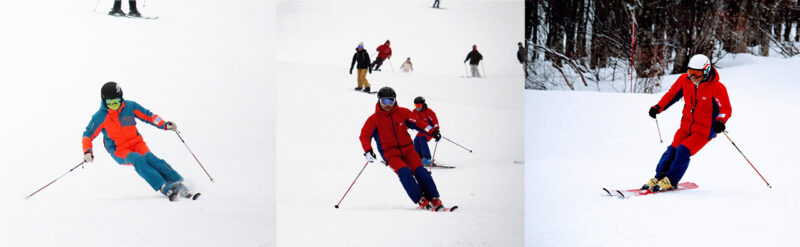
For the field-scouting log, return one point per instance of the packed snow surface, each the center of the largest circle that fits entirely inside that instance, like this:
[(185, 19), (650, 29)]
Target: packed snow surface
[(579, 142)]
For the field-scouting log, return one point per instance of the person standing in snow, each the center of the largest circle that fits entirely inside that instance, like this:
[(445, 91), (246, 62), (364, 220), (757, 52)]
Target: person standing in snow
[(116, 119), (474, 57), (117, 9), (423, 113), (521, 57), (362, 58), (436, 4), (407, 66), (388, 126), (384, 52), (706, 110)]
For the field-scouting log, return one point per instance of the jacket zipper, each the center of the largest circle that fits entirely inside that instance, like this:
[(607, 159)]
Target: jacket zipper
[(696, 87), (394, 132)]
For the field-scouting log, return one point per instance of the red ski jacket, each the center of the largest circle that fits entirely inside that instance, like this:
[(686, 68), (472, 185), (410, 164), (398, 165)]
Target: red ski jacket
[(703, 103), (384, 51), (428, 116), (390, 130)]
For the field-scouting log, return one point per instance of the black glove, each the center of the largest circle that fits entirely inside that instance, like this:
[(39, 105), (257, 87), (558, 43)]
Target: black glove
[(654, 110), (370, 70), (351, 71), (436, 135), (719, 126)]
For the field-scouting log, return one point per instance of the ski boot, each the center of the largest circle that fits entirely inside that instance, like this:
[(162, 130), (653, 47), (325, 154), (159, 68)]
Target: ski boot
[(650, 184), (172, 190), (358, 88), (366, 90), (134, 13), (423, 204), (116, 12), (663, 185), (436, 204)]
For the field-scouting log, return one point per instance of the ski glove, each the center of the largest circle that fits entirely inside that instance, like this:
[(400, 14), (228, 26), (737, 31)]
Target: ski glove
[(654, 110), (436, 135), (719, 126), (172, 126), (351, 71), (88, 157), (370, 156)]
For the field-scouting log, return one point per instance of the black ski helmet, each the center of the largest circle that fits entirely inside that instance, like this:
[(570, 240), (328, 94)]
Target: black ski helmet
[(386, 92), (110, 90), (421, 100)]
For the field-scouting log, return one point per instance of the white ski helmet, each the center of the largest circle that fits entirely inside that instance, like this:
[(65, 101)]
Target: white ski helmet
[(700, 62)]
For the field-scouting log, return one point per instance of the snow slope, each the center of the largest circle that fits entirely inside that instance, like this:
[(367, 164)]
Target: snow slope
[(205, 65), (579, 142), (320, 118)]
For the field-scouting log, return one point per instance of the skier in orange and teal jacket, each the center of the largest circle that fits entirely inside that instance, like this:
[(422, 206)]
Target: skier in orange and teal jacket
[(116, 119)]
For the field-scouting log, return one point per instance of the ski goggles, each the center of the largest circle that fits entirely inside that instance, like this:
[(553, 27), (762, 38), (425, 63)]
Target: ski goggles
[(418, 106), (695, 73), (113, 104), (386, 101)]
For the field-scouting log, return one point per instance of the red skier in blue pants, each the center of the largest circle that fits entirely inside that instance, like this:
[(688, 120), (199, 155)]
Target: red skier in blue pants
[(389, 127), (421, 140), (706, 110)]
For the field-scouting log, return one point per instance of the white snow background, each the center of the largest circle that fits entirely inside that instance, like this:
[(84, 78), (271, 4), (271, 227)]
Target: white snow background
[(206, 65), (320, 118), (579, 142)]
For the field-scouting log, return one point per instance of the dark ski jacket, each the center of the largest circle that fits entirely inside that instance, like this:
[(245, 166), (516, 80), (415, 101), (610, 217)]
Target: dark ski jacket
[(362, 58), (474, 57)]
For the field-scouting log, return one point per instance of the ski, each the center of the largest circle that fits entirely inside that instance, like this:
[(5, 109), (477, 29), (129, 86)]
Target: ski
[(444, 209), (435, 165), (190, 195), (136, 17), (639, 192)]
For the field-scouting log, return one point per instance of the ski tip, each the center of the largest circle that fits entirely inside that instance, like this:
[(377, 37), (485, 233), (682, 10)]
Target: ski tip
[(195, 196), (453, 208)]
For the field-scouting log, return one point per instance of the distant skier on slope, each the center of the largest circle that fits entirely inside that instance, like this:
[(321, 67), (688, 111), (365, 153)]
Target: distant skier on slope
[(388, 126), (362, 57), (407, 66), (706, 110), (384, 52), (423, 113), (117, 9), (436, 4), (474, 57), (116, 119)]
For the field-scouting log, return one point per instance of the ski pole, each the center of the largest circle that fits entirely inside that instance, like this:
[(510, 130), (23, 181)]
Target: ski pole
[(484, 71), (745, 158), (433, 157), (466, 73), (95, 5), (390, 64), (54, 180), (195, 157), (457, 144), (659, 132), (351, 186)]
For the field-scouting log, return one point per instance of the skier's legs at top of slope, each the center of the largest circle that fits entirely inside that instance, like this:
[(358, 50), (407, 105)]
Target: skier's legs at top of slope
[(117, 9), (414, 177), (155, 171)]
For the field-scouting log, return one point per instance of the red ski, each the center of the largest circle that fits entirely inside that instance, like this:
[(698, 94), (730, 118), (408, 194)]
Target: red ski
[(639, 192)]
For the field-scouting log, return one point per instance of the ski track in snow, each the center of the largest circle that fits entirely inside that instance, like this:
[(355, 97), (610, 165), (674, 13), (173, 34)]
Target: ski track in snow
[(579, 142), (320, 118), (206, 74)]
